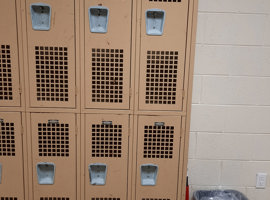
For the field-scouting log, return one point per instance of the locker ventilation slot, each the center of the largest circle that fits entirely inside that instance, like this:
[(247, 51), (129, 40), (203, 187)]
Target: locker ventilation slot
[(7, 139), (51, 73), (165, 1), (53, 139), (158, 141), (5, 73), (105, 198), (107, 75), (106, 140), (161, 77), (54, 198), (8, 198), (153, 199)]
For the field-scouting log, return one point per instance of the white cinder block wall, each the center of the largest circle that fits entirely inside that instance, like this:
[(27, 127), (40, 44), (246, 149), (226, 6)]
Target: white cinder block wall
[(230, 126)]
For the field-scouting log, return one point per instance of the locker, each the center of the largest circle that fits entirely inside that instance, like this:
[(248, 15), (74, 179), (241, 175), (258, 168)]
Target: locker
[(53, 156), (9, 66), (107, 53), (162, 54), (106, 156), (11, 157), (51, 53), (158, 157)]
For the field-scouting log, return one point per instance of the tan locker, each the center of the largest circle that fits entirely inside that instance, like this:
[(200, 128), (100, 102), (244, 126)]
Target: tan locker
[(158, 157), (162, 54), (11, 157), (107, 53), (9, 66), (51, 52), (106, 156), (53, 156)]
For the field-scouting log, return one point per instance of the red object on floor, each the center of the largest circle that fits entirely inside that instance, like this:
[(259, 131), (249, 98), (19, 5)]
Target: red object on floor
[(187, 190)]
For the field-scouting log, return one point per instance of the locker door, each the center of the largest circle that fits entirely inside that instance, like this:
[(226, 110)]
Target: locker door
[(11, 158), (107, 55), (106, 154), (51, 53), (9, 72), (157, 157), (162, 60), (54, 156)]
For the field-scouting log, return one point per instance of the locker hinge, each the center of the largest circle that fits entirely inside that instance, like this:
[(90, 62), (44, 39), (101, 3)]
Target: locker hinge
[(76, 130), (130, 92), (22, 130)]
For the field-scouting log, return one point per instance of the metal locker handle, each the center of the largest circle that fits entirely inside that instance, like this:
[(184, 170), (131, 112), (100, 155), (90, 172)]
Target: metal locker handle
[(41, 16), (149, 174), (98, 19), (97, 173), (154, 21), (0, 173), (45, 172)]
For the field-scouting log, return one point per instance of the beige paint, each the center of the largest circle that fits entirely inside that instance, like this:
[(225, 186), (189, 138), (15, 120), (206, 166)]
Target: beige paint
[(11, 156), (9, 64)]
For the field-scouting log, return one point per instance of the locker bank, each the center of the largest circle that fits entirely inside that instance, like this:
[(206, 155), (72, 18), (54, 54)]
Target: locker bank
[(95, 98)]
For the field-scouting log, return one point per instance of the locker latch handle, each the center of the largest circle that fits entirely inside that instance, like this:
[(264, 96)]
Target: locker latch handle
[(41, 16), (97, 173), (0, 173), (98, 19), (45, 173), (1, 120), (149, 174), (155, 19)]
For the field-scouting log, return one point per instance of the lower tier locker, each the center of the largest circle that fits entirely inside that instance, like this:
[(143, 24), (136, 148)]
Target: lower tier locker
[(11, 157), (106, 156), (158, 157), (53, 137)]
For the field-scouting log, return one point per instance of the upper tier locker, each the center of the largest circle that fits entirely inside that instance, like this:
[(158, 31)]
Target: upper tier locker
[(9, 71), (51, 51), (162, 54), (11, 157), (107, 53)]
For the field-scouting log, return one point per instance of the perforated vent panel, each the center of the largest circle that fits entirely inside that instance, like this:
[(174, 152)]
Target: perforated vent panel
[(8, 198), (51, 73), (53, 140), (105, 198), (106, 140), (54, 198), (107, 75), (158, 141), (7, 140), (161, 77), (165, 0), (5, 73), (153, 199)]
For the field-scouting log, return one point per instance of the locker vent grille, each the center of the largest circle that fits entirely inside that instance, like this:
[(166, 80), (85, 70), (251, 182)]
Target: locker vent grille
[(5, 73), (54, 198), (7, 139), (53, 139), (158, 141), (105, 198), (8, 198), (165, 0), (161, 77), (107, 75), (153, 199), (106, 140), (51, 73)]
